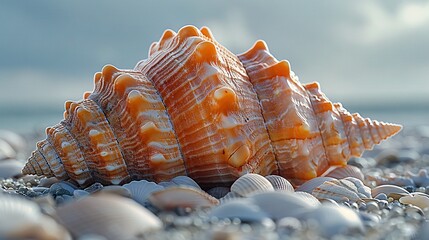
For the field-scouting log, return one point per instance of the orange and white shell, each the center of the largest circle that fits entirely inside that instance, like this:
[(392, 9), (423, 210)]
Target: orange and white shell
[(194, 108)]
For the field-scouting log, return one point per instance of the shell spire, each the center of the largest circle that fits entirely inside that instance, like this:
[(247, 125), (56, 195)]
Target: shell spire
[(194, 108)]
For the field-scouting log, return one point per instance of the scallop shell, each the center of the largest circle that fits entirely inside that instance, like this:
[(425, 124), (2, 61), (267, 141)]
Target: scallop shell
[(182, 197), (310, 185), (340, 172), (343, 190), (418, 200), (250, 184), (194, 108), (141, 190), (280, 183), (110, 216)]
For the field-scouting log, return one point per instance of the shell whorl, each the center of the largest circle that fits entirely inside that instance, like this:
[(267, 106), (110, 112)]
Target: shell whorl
[(194, 108)]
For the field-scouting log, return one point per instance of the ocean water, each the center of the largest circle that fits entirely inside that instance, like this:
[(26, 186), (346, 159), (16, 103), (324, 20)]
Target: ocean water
[(25, 120)]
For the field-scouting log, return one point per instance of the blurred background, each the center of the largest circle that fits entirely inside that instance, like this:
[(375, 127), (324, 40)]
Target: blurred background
[(372, 56)]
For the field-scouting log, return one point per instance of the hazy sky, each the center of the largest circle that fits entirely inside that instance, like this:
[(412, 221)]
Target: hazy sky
[(362, 52)]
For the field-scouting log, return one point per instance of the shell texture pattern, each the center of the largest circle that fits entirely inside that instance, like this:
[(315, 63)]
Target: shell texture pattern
[(194, 108)]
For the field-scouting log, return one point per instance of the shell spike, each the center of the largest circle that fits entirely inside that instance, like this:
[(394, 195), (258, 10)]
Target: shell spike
[(259, 45), (206, 32), (166, 38), (86, 94), (187, 32), (205, 52)]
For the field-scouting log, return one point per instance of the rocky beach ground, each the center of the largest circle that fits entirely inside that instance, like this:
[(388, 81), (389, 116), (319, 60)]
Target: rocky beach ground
[(382, 195)]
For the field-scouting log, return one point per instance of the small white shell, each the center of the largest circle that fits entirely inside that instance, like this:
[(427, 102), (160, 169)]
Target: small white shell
[(141, 190), (340, 172), (280, 183), (110, 216), (182, 197), (308, 198), (342, 190), (280, 204), (186, 181), (251, 183), (311, 184), (388, 189), (418, 200), (22, 219)]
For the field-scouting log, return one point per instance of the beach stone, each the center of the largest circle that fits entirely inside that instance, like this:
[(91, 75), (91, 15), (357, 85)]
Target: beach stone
[(62, 188), (381, 196), (47, 182)]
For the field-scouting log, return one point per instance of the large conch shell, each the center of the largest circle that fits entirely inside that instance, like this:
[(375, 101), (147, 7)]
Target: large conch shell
[(194, 108)]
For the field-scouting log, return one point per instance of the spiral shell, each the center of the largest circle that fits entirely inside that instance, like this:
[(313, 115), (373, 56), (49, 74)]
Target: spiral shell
[(194, 108)]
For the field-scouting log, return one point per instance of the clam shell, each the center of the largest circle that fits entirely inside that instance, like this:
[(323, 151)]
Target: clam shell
[(215, 116), (251, 183), (340, 172), (418, 200), (311, 184), (308, 198), (281, 204), (22, 219), (110, 216), (388, 189), (186, 181), (141, 190), (280, 183), (182, 197), (118, 190), (342, 190)]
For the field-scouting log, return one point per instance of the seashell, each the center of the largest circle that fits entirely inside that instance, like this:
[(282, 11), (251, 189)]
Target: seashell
[(280, 183), (281, 204), (110, 216), (308, 198), (22, 219), (243, 209), (118, 190), (310, 185), (182, 197), (141, 190), (218, 192), (251, 183), (388, 189), (340, 172), (418, 200), (229, 196), (333, 220), (347, 189), (186, 181), (194, 108), (10, 168)]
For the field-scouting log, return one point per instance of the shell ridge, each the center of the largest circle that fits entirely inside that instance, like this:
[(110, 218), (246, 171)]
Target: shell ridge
[(347, 132), (263, 116), (171, 123)]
